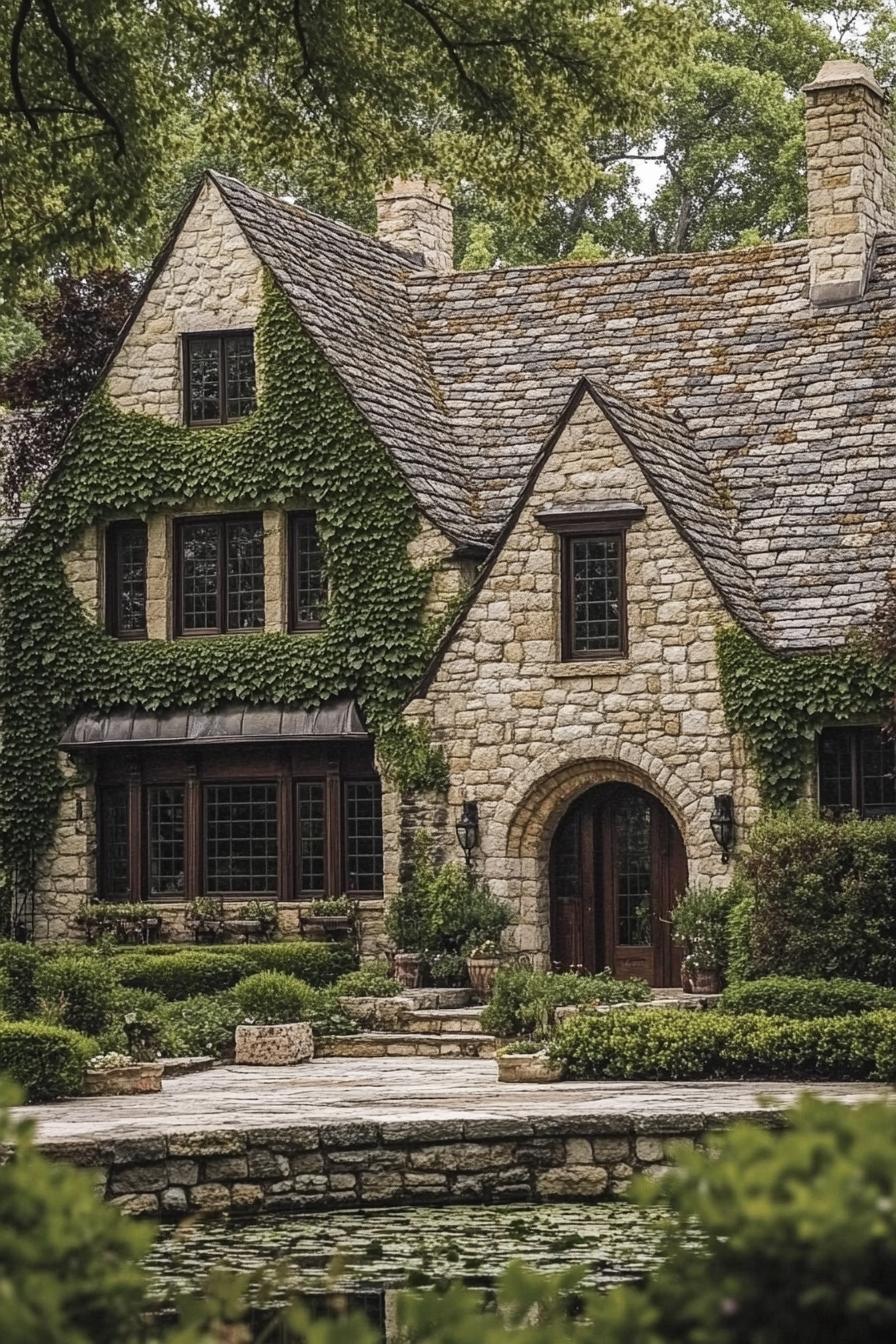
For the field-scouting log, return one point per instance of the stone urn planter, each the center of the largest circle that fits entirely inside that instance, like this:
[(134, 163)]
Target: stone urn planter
[(407, 968), (705, 982), (127, 1080), (283, 1043), (530, 1068), (482, 972)]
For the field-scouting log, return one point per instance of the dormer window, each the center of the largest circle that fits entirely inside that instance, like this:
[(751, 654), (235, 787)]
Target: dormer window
[(593, 611), (219, 377)]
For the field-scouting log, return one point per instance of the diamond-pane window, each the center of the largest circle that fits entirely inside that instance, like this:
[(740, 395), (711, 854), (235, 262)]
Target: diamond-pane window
[(363, 837), (307, 576), (220, 377), (241, 839), (126, 580)]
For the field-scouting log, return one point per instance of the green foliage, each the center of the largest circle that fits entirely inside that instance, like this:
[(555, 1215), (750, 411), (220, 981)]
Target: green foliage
[(181, 975), (46, 1061), (21, 963), (318, 963), (409, 757), (69, 1264), (822, 898), (525, 1001), (370, 981), (700, 926), (780, 704), (305, 440), (443, 907), (273, 996), (329, 907), (447, 969), (76, 991), (675, 1044), (203, 1024), (790, 996)]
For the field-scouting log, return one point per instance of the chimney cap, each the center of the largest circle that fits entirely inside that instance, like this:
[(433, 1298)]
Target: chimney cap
[(844, 74), (413, 188)]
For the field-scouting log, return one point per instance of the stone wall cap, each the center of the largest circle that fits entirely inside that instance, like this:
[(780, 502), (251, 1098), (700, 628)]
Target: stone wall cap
[(843, 74), (591, 510)]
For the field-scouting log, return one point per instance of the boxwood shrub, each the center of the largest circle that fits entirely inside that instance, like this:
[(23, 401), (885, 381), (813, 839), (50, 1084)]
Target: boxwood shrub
[(681, 1045), (76, 991), (46, 1061), (20, 961), (789, 996), (274, 996), (524, 1001), (193, 971)]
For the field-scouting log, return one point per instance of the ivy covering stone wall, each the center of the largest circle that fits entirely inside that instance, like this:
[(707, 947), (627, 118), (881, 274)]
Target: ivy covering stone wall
[(305, 440)]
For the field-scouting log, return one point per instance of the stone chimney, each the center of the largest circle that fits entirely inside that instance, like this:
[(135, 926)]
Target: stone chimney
[(849, 148), (416, 216)]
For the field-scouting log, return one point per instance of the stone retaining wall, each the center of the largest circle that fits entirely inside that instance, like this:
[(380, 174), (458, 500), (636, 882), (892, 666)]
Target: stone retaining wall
[(488, 1160)]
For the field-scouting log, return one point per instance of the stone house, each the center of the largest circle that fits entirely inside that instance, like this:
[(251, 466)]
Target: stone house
[(609, 463)]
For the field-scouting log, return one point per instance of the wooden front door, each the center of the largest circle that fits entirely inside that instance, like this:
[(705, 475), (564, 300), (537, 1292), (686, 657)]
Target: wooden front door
[(617, 867)]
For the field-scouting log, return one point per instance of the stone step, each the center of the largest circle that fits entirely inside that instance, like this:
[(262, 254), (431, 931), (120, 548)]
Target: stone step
[(177, 1065), (377, 1044), (434, 999), (445, 1021)]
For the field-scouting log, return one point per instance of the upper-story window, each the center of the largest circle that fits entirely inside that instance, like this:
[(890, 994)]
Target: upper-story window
[(591, 537), (219, 377), (307, 576), (856, 772), (126, 580), (219, 582)]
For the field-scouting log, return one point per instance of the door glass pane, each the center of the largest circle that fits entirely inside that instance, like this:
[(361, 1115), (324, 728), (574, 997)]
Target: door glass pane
[(205, 379), (595, 565), (166, 841), (114, 847), (245, 575), (631, 827), (239, 365), (199, 576), (241, 839), (567, 869), (311, 836)]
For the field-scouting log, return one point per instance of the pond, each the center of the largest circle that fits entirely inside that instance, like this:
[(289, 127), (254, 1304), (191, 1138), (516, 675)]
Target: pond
[(364, 1256)]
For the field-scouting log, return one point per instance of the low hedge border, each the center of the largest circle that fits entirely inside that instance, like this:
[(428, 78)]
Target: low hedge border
[(47, 1062), (679, 1045), (790, 996), (209, 971)]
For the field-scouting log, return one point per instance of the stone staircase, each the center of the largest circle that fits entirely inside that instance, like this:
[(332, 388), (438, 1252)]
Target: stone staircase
[(435, 1023)]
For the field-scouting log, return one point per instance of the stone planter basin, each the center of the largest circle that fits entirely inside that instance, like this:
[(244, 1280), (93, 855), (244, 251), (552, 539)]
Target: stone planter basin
[(126, 1081), (283, 1043), (528, 1069)]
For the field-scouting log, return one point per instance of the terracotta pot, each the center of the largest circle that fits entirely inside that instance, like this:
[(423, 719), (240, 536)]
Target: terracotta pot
[(482, 972), (127, 1081), (408, 969), (706, 982), (528, 1069), (280, 1043)]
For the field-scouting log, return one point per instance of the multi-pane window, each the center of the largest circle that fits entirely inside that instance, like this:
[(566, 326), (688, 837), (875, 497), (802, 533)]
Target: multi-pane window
[(126, 580), (856, 772), (311, 838), (633, 871), (593, 596), (166, 840), (241, 849), (363, 837), (307, 577), (220, 575), (114, 830), (219, 377)]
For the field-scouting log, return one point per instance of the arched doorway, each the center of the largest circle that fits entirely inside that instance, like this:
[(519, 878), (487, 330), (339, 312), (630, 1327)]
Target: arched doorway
[(617, 865)]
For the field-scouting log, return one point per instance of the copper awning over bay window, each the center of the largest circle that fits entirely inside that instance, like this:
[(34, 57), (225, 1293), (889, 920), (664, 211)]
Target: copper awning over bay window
[(337, 720)]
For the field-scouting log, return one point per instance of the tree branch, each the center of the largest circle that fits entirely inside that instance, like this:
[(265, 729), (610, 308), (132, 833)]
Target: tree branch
[(15, 62), (451, 49), (59, 30)]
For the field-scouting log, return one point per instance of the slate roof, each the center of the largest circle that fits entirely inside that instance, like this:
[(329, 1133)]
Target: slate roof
[(768, 427)]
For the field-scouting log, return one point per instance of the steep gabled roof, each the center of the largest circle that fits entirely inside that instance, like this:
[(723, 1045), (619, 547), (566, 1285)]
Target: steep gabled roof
[(350, 294)]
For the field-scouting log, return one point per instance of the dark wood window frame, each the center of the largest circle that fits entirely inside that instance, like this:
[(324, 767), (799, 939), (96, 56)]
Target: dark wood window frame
[(221, 521), (116, 533), (221, 337), (296, 521), (134, 775), (571, 525), (857, 780)]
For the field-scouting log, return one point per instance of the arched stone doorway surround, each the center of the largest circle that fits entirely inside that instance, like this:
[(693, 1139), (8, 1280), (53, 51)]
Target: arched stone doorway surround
[(524, 822)]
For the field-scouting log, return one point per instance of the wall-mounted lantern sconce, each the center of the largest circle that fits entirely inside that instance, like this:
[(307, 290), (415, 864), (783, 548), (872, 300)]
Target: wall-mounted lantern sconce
[(721, 823), (467, 829)]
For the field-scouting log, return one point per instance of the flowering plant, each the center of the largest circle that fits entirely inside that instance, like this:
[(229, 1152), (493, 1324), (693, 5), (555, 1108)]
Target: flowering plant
[(113, 1060), (700, 926)]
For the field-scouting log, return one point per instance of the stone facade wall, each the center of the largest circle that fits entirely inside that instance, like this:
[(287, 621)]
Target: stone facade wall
[(526, 733), (494, 1160), (850, 153), (416, 216)]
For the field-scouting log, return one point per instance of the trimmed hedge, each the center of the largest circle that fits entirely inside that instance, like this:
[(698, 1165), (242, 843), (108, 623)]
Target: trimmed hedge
[(21, 962), (680, 1045), (369, 982), (789, 996), (208, 971), (46, 1061), (77, 992), (274, 997)]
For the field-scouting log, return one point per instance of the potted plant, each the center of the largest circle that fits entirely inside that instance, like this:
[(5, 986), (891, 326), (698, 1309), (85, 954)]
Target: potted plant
[(258, 918), (126, 921), (483, 961), (115, 1075), (700, 927), (527, 1062), (206, 914), (275, 1029), (331, 915)]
